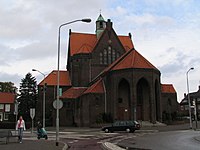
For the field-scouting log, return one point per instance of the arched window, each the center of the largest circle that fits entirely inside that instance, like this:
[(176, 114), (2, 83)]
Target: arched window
[(118, 54), (113, 55), (105, 56), (101, 58), (109, 55)]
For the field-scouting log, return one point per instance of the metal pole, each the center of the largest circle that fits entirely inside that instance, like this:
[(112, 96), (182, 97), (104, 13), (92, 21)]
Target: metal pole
[(189, 104), (32, 127), (195, 112), (44, 91), (58, 76)]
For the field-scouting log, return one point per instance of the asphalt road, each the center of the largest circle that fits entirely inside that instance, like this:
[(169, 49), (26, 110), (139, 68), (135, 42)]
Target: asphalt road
[(173, 140), (89, 144)]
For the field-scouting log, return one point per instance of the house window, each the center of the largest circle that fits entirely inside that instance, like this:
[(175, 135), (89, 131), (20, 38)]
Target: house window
[(6, 115), (1, 116), (7, 108), (1, 106)]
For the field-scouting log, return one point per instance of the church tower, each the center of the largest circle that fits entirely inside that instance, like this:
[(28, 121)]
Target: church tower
[(100, 25)]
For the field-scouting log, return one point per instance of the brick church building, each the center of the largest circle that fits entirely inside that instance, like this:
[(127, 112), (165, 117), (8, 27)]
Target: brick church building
[(106, 75)]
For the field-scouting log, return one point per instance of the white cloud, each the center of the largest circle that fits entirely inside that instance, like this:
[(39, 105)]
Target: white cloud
[(166, 33)]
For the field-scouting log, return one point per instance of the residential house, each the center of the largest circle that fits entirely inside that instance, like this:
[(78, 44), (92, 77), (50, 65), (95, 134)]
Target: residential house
[(6, 106)]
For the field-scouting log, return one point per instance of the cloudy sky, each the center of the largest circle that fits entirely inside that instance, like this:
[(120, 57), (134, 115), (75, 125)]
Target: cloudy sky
[(166, 32)]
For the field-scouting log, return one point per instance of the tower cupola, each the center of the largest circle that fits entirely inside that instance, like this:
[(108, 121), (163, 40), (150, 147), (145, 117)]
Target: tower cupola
[(100, 25)]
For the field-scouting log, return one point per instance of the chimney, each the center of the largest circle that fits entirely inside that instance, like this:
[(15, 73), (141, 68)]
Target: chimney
[(185, 95), (129, 34), (70, 31), (109, 24)]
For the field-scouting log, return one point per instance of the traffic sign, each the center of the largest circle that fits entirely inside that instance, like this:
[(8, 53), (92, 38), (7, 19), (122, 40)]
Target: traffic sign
[(32, 112), (58, 104)]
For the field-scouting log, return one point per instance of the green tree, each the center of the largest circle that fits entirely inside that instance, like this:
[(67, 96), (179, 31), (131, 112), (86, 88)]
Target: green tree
[(28, 95), (7, 87)]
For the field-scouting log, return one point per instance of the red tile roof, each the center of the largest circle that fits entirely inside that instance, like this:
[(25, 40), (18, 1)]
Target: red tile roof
[(51, 79), (7, 98), (97, 87), (73, 92), (168, 88), (126, 42), (133, 59), (85, 43), (82, 43)]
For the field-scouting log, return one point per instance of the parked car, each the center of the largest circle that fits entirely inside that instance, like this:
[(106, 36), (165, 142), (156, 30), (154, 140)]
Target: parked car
[(128, 126), (137, 125)]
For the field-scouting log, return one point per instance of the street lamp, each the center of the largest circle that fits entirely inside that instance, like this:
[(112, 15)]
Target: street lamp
[(43, 97), (58, 75), (189, 104)]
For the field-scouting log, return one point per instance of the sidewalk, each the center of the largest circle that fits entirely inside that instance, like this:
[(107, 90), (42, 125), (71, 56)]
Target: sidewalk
[(31, 145)]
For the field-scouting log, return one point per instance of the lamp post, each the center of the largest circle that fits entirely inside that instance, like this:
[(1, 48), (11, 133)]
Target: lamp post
[(43, 97), (58, 75), (189, 104)]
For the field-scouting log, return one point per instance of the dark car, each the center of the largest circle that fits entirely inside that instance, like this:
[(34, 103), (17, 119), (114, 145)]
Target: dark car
[(137, 125), (128, 126)]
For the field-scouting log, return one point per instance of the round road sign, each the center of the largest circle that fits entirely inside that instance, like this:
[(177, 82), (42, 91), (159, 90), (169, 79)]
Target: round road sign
[(58, 104)]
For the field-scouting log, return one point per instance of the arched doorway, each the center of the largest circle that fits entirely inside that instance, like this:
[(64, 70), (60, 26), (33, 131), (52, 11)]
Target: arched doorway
[(123, 101), (143, 100)]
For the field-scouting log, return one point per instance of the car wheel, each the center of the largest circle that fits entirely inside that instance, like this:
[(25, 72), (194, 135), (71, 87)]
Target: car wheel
[(46, 137), (106, 130), (128, 130)]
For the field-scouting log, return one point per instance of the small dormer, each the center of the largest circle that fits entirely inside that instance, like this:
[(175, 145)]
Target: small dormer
[(100, 25)]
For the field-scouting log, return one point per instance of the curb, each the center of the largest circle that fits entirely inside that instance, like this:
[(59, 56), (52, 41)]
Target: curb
[(110, 146), (65, 146), (197, 138)]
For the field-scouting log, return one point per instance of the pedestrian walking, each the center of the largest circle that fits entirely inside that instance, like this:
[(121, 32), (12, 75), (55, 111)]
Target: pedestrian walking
[(20, 126)]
